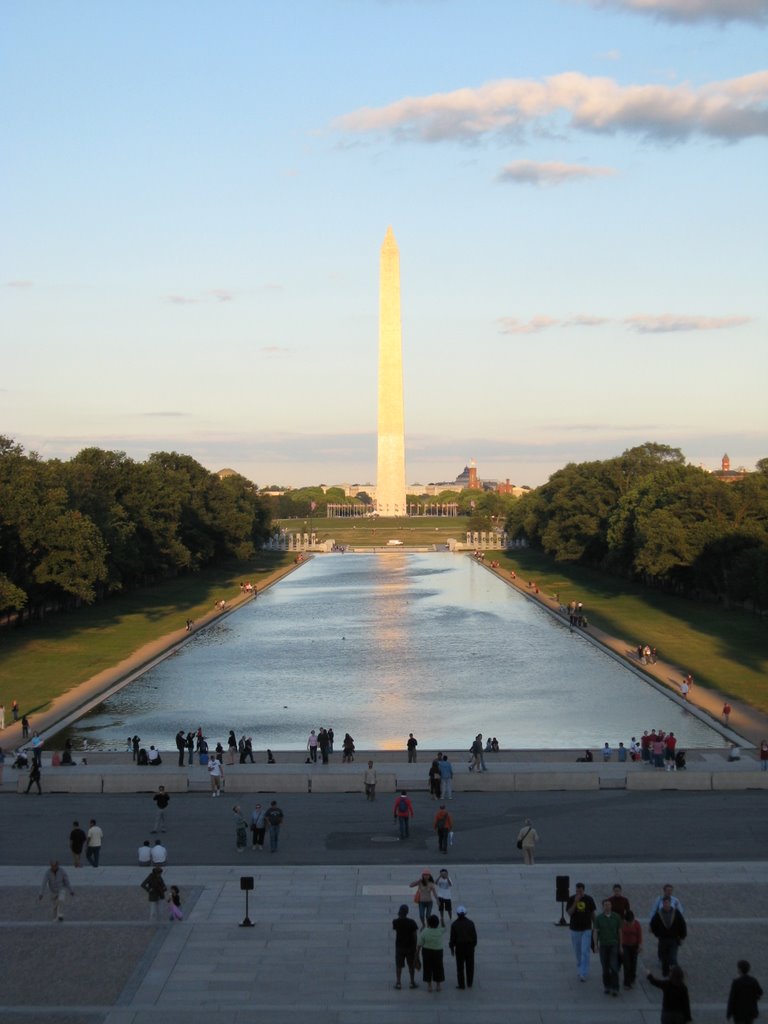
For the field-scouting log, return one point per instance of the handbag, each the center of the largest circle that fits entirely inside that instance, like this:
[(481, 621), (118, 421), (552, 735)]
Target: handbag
[(520, 841), (416, 897)]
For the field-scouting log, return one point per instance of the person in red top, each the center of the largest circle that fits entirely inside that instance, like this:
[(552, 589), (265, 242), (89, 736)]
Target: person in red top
[(726, 712), (669, 751), (631, 937), (402, 813), (619, 902)]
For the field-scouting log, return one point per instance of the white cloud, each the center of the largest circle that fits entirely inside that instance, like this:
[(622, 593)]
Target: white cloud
[(181, 300), (586, 320), (510, 325), (729, 110), (531, 172), (670, 322), (18, 284), (694, 10)]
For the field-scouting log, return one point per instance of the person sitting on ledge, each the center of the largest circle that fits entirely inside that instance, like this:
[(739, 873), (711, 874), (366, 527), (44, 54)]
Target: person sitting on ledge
[(142, 758), (587, 759), (154, 757), (734, 752)]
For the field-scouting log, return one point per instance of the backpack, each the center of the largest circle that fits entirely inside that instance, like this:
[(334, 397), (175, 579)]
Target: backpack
[(402, 805)]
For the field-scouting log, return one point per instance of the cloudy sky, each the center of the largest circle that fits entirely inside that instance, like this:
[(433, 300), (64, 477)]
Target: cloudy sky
[(193, 197)]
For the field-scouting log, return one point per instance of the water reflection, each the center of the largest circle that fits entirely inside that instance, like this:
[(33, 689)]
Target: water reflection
[(381, 645)]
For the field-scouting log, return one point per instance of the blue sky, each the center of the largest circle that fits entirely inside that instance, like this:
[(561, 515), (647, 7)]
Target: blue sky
[(193, 198)]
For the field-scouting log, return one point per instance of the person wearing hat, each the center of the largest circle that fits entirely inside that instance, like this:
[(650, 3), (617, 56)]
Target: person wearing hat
[(462, 942), (406, 931)]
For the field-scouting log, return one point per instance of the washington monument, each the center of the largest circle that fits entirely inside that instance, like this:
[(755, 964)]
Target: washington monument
[(390, 472)]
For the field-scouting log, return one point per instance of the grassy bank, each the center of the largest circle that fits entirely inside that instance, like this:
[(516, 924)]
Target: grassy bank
[(727, 650), (43, 660)]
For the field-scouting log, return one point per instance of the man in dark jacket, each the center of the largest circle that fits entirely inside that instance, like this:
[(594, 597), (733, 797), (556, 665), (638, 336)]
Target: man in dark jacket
[(462, 942), (743, 997), (669, 927)]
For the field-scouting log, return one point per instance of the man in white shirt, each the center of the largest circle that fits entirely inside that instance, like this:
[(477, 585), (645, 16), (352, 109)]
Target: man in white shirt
[(55, 880), (93, 843), (159, 854), (216, 775), (145, 854), (667, 891)]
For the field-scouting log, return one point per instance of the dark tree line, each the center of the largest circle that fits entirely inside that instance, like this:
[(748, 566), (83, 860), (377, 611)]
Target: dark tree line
[(74, 531), (646, 515)]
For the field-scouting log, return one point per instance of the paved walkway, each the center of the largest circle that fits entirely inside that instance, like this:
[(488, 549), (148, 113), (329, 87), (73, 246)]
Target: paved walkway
[(323, 947)]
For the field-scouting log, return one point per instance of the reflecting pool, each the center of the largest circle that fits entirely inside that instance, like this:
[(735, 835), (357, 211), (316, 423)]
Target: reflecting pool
[(380, 645)]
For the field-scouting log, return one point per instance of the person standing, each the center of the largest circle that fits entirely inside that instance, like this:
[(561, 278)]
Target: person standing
[(425, 895), (181, 746), (2, 716), (527, 838), (446, 779), (216, 775), (190, 747), (764, 756), (34, 777), (312, 746), (743, 997), (369, 782), (37, 749), (15, 709), (323, 744), (581, 911), (231, 747), (669, 927), (241, 829), (608, 930), (462, 943), (258, 827), (135, 746), (406, 933), (443, 825), (434, 779), (155, 887), (55, 880), (93, 843), (162, 800), (76, 843), (431, 942), (675, 1003), (402, 813), (410, 746), (631, 944), (275, 819), (24, 727)]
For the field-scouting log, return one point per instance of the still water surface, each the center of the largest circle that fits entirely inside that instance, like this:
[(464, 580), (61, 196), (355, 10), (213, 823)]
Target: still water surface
[(381, 645)]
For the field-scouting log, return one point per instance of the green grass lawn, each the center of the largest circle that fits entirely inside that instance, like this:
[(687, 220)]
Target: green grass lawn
[(724, 649), (369, 533), (40, 661)]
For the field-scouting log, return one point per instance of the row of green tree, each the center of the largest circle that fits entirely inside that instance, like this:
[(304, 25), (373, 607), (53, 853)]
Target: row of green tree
[(647, 515), (484, 508), (73, 531)]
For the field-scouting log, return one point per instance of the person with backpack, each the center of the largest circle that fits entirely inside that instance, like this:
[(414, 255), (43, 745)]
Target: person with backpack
[(275, 818), (443, 825), (402, 813)]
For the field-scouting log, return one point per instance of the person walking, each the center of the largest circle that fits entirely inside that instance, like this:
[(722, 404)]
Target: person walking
[(631, 944), (669, 927), (34, 777), (258, 827), (744, 995), (369, 782), (430, 942), (410, 746), (434, 779), (443, 825), (56, 882), (216, 775), (402, 813), (444, 889), (93, 843), (462, 943), (162, 800), (275, 819), (527, 838), (406, 933), (241, 829), (608, 931), (312, 746), (76, 843), (155, 887), (675, 1003), (581, 911), (425, 895)]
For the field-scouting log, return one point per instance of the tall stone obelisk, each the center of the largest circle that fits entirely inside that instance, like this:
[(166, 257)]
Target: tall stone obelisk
[(390, 474)]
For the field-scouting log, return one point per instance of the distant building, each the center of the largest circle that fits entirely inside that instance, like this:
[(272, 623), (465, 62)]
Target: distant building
[(728, 475)]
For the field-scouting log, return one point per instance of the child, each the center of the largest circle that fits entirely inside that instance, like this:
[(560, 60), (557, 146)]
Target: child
[(175, 913)]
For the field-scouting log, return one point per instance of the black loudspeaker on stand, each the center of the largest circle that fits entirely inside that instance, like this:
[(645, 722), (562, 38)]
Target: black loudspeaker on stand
[(246, 885), (562, 892)]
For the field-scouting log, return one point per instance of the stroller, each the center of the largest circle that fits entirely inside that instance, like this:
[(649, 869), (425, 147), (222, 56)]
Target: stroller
[(680, 760), (22, 761)]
